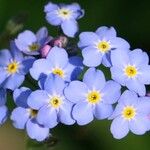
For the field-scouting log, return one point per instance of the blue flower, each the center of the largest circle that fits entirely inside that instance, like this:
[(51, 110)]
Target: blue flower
[(52, 105), (93, 97), (30, 43), (13, 67), (57, 62), (64, 16), (97, 46), (130, 114), (24, 117), (3, 108), (131, 69)]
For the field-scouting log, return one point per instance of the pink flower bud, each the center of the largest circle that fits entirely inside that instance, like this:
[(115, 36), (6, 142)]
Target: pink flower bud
[(60, 41), (45, 50)]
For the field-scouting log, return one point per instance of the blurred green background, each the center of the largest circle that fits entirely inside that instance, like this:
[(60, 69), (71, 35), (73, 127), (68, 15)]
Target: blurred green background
[(132, 22)]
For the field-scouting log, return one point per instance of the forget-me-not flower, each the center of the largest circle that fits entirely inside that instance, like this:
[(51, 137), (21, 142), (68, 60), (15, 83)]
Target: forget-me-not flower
[(64, 16), (130, 114), (93, 97), (13, 67), (30, 43), (131, 69), (57, 62), (97, 46), (24, 117), (52, 105)]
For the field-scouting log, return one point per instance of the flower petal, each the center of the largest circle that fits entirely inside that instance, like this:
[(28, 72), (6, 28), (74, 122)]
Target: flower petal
[(87, 39), (91, 57), (105, 32), (139, 124), (40, 67), (119, 128), (65, 115), (47, 116), (82, 113), (3, 114), (37, 99), (111, 92), (3, 96), (103, 111), (122, 58), (70, 27), (94, 79), (20, 96), (136, 86), (14, 81), (35, 131), (20, 117), (76, 91), (54, 84), (58, 57)]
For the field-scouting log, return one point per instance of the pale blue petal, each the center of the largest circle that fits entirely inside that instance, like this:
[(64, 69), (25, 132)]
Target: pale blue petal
[(3, 114), (73, 68), (87, 39), (106, 61), (119, 128), (40, 67), (138, 57), (47, 116), (16, 54), (129, 98), (53, 18), (103, 111), (119, 43), (118, 75), (58, 57), (20, 117), (139, 124), (42, 35), (70, 27), (76, 91), (36, 132), (20, 96), (122, 58), (14, 81), (91, 57), (50, 7), (136, 86), (54, 84), (144, 74), (3, 75), (26, 65), (37, 99), (3, 97), (106, 32), (111, 92), (5, 57), (65, 113), (94, 79), (83, 113)]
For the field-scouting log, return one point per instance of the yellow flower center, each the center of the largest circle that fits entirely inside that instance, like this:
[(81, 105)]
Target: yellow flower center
[(93, 97), (34, 47), (103, 46), (13, 67), (58, 71), (33, 112), (55, 101), (130, 71), (64, 13), (129, 112)]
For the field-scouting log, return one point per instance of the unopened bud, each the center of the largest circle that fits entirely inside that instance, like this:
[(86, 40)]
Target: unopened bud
[(45, 50)]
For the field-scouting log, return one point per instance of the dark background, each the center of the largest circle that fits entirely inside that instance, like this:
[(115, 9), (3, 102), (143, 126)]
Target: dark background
[(131, 19)]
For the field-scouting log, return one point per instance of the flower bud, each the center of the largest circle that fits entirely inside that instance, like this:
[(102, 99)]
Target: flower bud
[(45, 50)]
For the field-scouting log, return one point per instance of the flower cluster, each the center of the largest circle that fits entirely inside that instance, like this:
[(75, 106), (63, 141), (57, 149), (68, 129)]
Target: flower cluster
[(71, 88)]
